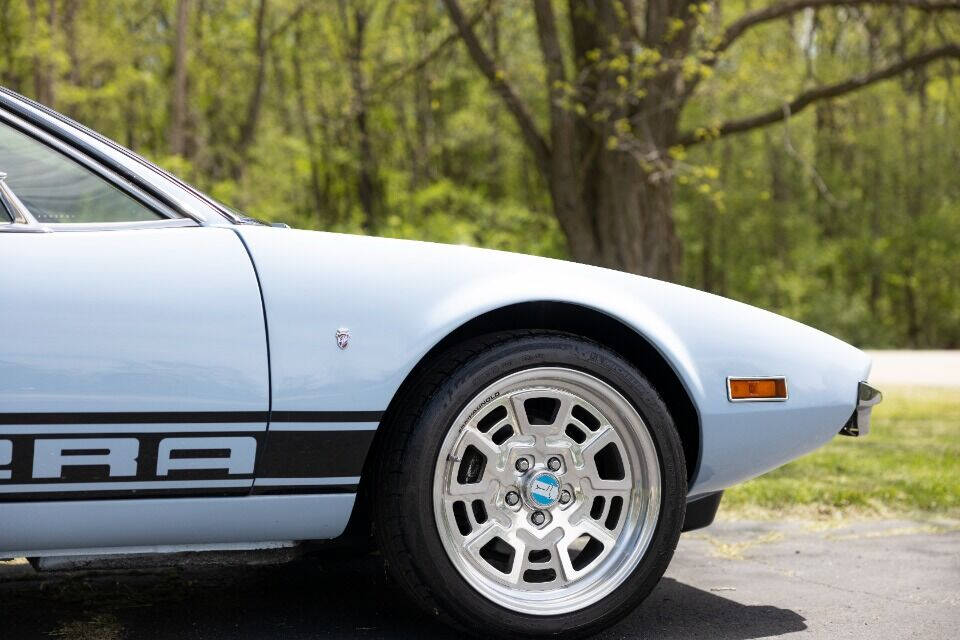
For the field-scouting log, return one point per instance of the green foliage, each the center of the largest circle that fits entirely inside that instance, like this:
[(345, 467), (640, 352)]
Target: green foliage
[(846, 218), (909, 464)]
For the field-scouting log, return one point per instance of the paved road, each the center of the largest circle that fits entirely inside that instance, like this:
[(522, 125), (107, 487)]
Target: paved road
[(916, 368), (732, 581)]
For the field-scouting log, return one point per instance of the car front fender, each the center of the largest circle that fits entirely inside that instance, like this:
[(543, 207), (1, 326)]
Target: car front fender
[(398, 299)]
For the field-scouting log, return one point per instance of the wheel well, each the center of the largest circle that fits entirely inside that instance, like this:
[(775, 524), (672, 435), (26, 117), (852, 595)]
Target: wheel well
[(569, 318), (597, 326)]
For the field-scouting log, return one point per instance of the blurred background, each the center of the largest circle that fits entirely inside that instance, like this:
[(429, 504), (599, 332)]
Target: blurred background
[(797, 155)]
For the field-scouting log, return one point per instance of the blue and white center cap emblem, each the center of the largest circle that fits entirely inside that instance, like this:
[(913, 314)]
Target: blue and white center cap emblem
[(543, 489)]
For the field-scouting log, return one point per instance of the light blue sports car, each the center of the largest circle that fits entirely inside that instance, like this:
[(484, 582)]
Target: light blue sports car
[(524, 439)]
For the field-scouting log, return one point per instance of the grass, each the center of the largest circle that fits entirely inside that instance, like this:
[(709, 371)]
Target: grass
[(909, 465)]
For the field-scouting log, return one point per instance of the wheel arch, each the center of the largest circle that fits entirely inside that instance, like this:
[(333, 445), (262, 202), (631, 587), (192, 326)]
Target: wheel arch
[(609, 331), (570, 318)]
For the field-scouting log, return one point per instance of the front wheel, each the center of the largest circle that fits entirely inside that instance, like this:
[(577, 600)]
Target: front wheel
[(533, 484)]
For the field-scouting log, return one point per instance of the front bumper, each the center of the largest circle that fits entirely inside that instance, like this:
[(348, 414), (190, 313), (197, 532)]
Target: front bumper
[(859, 422)]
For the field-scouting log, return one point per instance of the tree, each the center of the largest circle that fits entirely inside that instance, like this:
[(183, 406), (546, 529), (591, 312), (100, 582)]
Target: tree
[(178, 96), (804, 154), (614, 124)]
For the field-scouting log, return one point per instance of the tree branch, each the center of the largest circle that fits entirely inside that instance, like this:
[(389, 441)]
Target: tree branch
[(485, 63), (739, 26), (293, 17), (819, 93), (434, 53), (549, 42), (745, 22)]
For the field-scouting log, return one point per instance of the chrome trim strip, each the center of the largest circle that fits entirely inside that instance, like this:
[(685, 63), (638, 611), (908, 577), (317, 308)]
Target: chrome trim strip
[(124, 486), (22, 221), (786, 389), (324, 426), (301, 482), (16, 208), (166, 223)]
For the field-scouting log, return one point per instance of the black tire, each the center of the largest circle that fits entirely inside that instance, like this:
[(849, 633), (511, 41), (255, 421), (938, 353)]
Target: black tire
[(403, 511)]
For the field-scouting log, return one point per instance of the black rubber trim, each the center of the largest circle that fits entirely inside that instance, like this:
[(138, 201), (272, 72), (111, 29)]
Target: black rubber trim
[(178, 417), (326, 416), (125, 494), (134, 417), (701, 511), (294, 490)]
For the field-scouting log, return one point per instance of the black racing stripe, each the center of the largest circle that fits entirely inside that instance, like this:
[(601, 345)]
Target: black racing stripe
[(178, 417), (148, 444), (134, 417), (326, 416), (314, 454)]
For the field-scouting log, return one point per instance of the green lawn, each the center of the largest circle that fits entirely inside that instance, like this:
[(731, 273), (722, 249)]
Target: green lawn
[(909, 465)]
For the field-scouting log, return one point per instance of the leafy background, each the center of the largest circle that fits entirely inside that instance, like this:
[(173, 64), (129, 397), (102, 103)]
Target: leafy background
[(371, 117)]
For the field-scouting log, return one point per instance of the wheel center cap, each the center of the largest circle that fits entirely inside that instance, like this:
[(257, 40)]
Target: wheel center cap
[(542, 490)]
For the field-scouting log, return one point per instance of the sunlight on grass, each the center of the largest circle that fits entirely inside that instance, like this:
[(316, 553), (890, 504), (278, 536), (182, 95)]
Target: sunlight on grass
[(908, 465)]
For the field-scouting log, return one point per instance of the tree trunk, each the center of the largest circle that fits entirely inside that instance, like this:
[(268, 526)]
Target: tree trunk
[(623, 217), (248, 128), (421, 107), (632, 218), (626, 192), (43, 71), (70, 36), (369, 189), (178, 102), (306, 123), (495, 173)]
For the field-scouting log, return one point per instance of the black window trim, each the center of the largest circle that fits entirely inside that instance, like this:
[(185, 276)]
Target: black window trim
[(65, 129), (170, 216)]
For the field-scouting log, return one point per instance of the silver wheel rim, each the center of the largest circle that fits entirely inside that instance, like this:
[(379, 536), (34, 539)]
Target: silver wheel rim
[(486, 505)]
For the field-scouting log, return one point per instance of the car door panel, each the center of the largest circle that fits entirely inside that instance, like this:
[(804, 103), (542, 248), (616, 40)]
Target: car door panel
[(135, 364)]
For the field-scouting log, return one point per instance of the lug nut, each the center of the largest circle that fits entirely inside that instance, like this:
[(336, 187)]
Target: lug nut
[(565, 497), (512, 498), (538, 518), (553, 464), (523, 464)]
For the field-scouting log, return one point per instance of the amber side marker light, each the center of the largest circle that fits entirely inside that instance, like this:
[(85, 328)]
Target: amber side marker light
[(769, 389)]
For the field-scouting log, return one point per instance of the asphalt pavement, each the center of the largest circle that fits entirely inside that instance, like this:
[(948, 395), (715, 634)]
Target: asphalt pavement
[(731, 581)]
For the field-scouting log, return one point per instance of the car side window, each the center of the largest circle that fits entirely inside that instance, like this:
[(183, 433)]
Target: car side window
[(55, 189), (5, 215)]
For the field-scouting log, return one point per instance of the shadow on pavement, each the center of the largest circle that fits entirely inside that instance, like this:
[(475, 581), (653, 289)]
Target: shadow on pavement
[(677, 610), (309, 598)]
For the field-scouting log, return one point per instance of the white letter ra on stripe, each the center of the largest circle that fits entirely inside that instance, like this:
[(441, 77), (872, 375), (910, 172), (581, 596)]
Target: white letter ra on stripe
[(240, 459)]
